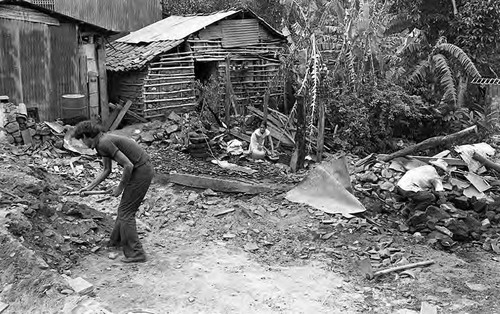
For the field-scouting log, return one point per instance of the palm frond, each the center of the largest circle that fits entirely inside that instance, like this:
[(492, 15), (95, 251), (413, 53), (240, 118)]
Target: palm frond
[(419, 73), (464, 60), (445, 77), (397, 24)]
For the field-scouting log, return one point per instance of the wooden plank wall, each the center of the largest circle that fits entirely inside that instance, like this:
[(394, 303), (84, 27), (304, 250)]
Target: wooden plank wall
[(128, 86)]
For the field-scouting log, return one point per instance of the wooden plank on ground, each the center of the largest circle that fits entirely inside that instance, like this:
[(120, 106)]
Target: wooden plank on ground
[(220, 185), (449, 161), (120, 116)]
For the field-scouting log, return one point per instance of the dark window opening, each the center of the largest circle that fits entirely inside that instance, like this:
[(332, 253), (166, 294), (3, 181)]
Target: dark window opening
[(203, 71)]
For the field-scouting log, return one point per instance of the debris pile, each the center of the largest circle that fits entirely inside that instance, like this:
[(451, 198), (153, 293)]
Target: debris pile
[(21, 129), (445, 198)]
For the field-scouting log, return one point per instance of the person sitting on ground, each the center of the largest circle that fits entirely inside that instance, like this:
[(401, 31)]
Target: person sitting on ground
[(136, 179), (256, 148)]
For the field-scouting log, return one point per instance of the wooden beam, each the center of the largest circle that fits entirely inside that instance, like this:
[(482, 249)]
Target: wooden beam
[(227, 107), (171, 107), (103, 86), (221, 185), (120, 116)]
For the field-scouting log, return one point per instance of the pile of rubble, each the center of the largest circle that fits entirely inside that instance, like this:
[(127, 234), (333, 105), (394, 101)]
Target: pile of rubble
[(445, 198), (20, 129)]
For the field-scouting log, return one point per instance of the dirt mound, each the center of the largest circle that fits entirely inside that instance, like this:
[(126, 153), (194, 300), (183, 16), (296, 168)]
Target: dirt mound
[(33, 211)]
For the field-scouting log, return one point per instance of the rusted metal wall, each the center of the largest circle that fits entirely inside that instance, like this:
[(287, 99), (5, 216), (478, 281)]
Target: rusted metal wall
[(38, 64), (117, 15)]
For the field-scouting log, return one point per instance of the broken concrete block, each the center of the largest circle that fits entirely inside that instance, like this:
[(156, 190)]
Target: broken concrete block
[(80, 285)]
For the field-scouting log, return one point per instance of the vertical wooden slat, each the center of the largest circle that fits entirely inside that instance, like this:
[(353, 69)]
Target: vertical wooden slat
[(103, 88)]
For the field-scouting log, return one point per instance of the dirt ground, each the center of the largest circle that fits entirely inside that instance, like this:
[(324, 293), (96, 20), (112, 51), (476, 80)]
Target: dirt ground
[(266, 256)]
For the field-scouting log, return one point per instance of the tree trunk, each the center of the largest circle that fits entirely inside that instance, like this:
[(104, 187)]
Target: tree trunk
[(299, 154), (429, 143)]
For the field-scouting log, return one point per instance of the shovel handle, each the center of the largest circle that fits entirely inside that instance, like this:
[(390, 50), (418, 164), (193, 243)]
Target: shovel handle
[(86, 193)]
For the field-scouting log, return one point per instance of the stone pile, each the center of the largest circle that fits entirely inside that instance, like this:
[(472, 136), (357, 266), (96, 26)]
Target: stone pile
[(438, 217), (23, 130)]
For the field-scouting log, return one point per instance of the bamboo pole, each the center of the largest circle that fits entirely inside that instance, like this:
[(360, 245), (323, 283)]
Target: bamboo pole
[(320, 141)]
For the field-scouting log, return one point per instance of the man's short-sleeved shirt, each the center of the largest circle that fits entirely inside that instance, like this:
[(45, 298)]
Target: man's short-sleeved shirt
[(110, 144)]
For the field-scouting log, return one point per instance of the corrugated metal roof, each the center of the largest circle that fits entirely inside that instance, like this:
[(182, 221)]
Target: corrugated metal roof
[(180, 27), (124, 56), (486, 81), (174, 28)]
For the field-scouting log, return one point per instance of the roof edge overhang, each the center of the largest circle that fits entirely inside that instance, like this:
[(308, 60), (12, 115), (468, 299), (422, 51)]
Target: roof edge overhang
[(60, 16)]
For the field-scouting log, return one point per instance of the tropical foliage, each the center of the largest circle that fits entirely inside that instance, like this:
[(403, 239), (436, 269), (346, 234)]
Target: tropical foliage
[(383, 69)]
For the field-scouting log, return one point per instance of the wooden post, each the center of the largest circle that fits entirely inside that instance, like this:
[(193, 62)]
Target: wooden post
[(265, 108), (299, 153), (321, 131), (103, 86), (228, 91)]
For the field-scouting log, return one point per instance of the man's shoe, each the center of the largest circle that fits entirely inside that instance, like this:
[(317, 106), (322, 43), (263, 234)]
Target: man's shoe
[(137, 259)]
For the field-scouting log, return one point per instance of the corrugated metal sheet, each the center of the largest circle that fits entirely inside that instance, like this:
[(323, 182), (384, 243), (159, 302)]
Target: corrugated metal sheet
[(211, 32), (116, 15), (238, 33), (64, 65), (38, 64), (16, 12), (486, 81), (125, 57), (10, 71), (174, 28)]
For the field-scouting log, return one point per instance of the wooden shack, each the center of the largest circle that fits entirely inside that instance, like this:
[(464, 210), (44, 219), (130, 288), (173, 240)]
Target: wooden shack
[(45, 55), (157, 67)]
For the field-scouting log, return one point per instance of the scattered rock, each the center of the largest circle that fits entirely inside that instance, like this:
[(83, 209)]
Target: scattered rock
[(172, 129), (436, 213), (368, 176), (192, 198), (427, 308), (251, 247), (113, 255), (209, 192), (191, 299), (80, 286), (229, 236), (174, 117), (224, 211), (67, 291), (147, 137), (3, 307), (476, 286)]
